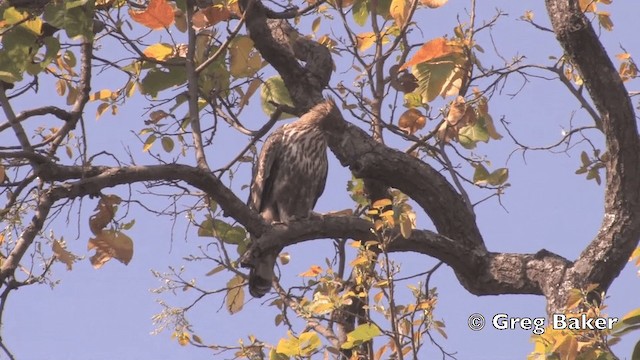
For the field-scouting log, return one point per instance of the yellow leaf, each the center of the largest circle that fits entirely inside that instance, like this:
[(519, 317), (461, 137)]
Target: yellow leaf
[(149, 143), (399, 10), (235, 294), (158, 15), (365, 40), (313, 271), (382, 203), (405, 226), (63, 255), (103, 94), (159, 51), (110, 244), (183, 339), (361, 334), (362, 259)]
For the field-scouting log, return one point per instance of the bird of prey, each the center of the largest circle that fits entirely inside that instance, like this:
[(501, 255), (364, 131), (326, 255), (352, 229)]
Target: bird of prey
[(289, 177)]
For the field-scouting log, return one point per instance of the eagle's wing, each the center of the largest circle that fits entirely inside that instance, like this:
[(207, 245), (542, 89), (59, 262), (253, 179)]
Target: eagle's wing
[(265, 172)]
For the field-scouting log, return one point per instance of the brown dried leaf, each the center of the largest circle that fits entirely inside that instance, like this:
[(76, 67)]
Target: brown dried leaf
[(110, 244), (63, 255), (411, 121)]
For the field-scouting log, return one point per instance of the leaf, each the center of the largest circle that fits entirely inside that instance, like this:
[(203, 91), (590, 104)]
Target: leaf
[(158, 79), (3, 174), (604, 18), (361, 334), (313, 271), (405, 226), (433, 4), (301, 346), (234, 235), (431, 50), (399, 10), (215, 270), (159, 51), (105, 211), (103, 94), (158, 15), (273, 90), (315, 25), (498, 177), (63, 255), (442, 76), (244, 59), (381, 204), (360, 12), (149, 142), (574, 299), (235, 294), (480, 175), (365, 40), (284, 258), (167, 143), (411, 121), (210, 16), (110, 244), (101, 109)]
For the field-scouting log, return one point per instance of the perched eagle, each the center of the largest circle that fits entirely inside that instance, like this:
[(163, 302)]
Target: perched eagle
[(288, 180)]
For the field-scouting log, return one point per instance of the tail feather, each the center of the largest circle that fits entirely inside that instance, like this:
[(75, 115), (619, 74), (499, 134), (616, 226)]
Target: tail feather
[(261, 275)]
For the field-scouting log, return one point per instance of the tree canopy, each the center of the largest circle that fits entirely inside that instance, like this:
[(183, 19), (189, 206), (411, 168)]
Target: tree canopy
[(417, 130)]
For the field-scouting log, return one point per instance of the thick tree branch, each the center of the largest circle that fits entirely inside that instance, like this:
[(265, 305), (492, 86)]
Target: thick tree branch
[(485, 273), (607, 254)]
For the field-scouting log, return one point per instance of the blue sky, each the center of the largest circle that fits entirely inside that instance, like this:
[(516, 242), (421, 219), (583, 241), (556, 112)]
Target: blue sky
[(106, 313)]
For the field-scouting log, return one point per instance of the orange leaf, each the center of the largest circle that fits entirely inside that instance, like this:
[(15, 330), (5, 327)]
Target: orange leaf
[(158, 15), (433, 49), (313, 271)]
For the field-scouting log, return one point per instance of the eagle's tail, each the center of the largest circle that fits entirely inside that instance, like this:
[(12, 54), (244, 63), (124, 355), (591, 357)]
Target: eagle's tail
[(261, 274)]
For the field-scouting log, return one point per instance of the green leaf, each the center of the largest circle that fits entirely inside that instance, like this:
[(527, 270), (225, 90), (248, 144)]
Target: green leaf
[(273, 90), (360, 12), (435, 76), (630, 318), (76, 21), (158, 79), (585, 159), (472, 134), (167, 143), (361, 334), (498, 177), (480, 175), (234, 235)]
